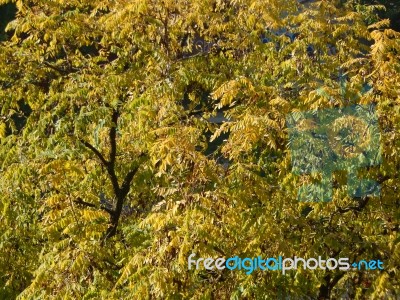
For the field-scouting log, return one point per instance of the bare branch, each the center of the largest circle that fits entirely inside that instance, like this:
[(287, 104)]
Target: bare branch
[(361, 204), (113, 137), (95, 151), (87, 204)]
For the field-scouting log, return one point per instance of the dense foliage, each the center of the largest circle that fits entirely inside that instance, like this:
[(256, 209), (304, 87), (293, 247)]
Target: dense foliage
[(107, 181)]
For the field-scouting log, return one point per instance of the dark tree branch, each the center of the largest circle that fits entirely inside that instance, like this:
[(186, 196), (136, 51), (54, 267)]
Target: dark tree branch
[(127, 181), (113, 153), (361, 204), (120, 191), (326, 288), (49, 65), (95, 151), (382, 179), (336, 279), (362, 201), (88, 204), (324, 291), (113, 137), (121, 196), (61, 71)]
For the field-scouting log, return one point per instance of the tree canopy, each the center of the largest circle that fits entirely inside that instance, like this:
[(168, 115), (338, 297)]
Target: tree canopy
[(107, 180)]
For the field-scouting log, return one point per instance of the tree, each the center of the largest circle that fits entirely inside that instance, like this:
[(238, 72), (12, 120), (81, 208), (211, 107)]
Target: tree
[(106, 184)]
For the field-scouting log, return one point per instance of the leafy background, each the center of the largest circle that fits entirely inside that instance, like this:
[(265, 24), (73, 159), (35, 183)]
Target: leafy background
[(134, 133)]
